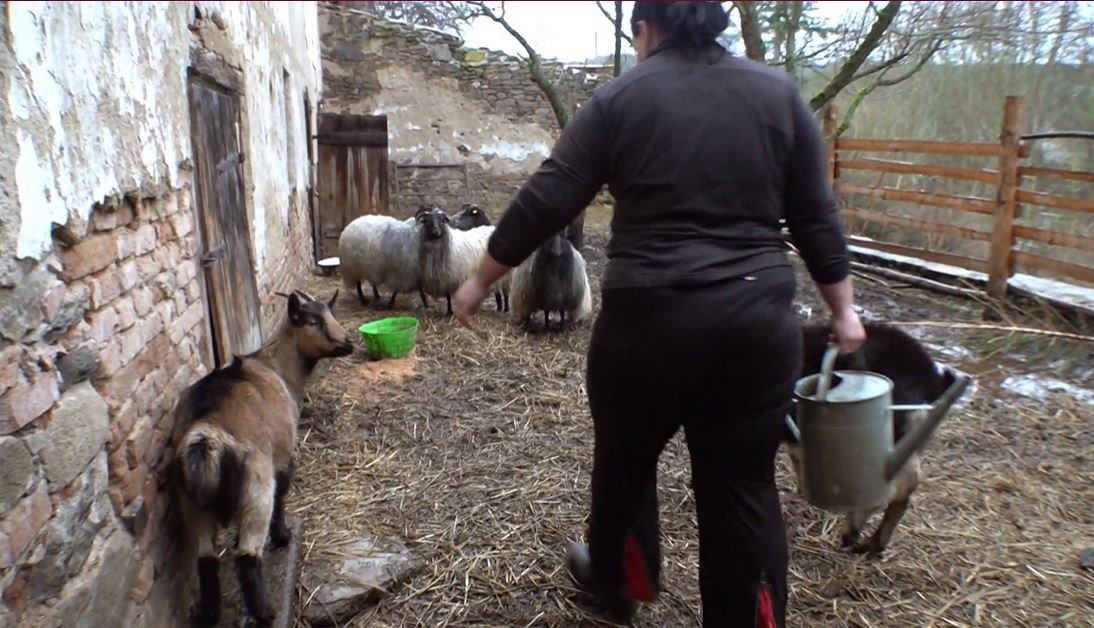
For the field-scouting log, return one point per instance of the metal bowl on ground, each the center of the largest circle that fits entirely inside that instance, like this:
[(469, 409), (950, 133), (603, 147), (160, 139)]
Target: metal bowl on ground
[(329, 264)]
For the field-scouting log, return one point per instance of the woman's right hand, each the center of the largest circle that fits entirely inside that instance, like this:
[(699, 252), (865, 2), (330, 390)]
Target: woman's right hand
[(848, 330)]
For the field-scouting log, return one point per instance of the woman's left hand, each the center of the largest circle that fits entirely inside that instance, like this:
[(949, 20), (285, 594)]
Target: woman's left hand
[(468, 299)]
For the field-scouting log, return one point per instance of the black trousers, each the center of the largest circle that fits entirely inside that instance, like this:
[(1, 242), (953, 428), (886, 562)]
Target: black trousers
[(721, 361)]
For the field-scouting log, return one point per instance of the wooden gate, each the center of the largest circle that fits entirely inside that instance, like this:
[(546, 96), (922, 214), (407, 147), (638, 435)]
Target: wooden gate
[(352, 173), (224, 237)]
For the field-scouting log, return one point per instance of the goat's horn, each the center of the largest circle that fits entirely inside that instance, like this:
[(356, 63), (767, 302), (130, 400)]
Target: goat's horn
[(281, 294)]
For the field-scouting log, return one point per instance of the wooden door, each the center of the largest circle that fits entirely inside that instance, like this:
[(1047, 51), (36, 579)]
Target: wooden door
[(352, 173), (225, 243)]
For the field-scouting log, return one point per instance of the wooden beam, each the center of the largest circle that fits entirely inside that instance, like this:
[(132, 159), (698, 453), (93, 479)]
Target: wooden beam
[(959, 261), (1067, 269), (964, 203), (370, 139), (913, 146), (1055, 238), (1072, 175), (1056, 202), (881, 165), (1001, 260), (917, 224)]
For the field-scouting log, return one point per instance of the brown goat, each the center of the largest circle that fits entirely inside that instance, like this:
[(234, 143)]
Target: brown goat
[(235, 431), (916, 380)]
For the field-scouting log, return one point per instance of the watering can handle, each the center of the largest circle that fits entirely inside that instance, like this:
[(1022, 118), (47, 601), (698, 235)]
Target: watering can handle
[(828, 363)]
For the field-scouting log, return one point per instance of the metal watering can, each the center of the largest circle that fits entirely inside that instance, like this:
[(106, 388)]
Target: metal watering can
[(848, 459)]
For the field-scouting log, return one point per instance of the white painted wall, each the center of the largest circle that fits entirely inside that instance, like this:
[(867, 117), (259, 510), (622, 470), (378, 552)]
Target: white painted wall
[(98, 106)]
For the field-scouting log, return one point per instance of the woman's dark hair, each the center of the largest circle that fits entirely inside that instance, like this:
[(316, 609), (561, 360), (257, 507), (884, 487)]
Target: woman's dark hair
[(686, 25)]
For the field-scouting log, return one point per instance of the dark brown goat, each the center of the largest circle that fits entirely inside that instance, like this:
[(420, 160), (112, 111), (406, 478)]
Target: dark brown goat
[(916, 380), (235, 431)]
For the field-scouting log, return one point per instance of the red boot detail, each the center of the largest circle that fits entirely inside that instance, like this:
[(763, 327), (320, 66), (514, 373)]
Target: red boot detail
[(634, 571)]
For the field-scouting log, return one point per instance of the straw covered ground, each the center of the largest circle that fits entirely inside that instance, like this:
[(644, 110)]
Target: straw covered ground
[(478, 454)]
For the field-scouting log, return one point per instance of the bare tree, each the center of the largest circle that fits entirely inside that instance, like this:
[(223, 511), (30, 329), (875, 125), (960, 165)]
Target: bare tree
[(444, 16), (534, 63), (620, 36)]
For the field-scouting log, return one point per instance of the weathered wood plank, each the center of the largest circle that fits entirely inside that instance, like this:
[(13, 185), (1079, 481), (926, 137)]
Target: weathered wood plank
[(914, 146)]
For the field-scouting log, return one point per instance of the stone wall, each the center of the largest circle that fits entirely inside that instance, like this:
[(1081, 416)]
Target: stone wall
[(446, 104), (102, 313)]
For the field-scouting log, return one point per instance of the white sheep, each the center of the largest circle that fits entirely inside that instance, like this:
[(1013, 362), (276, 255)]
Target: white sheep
[(382, 251), (448, 257), (553, 279)]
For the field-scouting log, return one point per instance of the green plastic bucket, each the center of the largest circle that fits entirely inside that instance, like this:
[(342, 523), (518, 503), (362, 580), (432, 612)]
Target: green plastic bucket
[(390, 338)]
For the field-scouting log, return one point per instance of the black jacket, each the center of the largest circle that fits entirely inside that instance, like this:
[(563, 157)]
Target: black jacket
[(703, 155)]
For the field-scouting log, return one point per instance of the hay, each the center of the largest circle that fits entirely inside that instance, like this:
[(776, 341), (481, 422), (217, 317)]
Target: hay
[(478, 453)]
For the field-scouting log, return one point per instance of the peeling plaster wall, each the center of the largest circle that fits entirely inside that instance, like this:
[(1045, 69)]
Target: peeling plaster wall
[(102, 316), (98, 97)]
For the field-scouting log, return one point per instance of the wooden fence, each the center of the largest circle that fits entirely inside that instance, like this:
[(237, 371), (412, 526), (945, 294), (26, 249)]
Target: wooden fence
[(1010, 201)]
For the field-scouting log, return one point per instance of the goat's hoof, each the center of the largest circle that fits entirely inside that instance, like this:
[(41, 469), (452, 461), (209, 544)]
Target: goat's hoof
[(204, 616), (870, 548), (849, 540), (265, 620), (280, 537)]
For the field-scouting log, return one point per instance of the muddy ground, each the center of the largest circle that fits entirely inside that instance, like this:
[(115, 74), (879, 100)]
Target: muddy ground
[(477, 453)]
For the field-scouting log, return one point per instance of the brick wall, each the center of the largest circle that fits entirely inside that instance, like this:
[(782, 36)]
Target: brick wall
[(111, 329), (85, 402)]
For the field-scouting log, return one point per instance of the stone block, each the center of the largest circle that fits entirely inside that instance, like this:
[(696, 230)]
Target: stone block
[(104, 288), (77, 365), (99, 596), (88, 256), (77, 430), (145, 240), (183, 223), (11, 373), (104, 323), (127, 313), (81, 510), (21, 307), (25, 403), (143, 300), (149, 266), (22, 524), (368, 569), (16, 472), (126, 245), (129, 274)]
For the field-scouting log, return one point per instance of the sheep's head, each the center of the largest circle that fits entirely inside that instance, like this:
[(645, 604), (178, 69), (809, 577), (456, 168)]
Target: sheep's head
[(317, 333), (433, 223), (555, 246), (469, 217)]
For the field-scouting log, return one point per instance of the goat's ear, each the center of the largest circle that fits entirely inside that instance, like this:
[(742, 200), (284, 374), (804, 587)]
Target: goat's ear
[(296, 311), (330, 304)]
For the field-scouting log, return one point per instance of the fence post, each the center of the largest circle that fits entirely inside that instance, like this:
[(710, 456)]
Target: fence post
[(1001, 260), (828, 128)]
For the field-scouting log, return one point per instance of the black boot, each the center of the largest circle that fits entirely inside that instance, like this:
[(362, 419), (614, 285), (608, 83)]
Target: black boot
[(617, 608)]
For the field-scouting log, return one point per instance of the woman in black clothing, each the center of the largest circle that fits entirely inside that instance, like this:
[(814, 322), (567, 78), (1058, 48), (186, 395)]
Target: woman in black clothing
[(704, 153)]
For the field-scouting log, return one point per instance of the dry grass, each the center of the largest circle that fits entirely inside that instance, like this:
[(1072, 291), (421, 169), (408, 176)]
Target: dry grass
[(478, 454)]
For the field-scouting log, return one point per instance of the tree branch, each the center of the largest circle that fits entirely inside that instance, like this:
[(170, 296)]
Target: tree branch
[(750, 30), (535, 62), (621, 33), (847, 71)]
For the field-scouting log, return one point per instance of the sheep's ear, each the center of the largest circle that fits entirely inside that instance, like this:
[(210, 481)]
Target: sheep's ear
[(296, 310), (330, 304)]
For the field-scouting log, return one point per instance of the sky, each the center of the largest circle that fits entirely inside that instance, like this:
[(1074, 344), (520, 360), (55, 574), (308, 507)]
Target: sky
[(574, 31)]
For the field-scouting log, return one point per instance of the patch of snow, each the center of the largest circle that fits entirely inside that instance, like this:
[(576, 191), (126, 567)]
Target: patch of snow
[(1058, 290), (954, 352), (1038, 286), (1041, 386)]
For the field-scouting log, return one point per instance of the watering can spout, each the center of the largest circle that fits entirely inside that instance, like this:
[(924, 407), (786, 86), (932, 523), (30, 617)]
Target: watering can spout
[(914, 440)]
